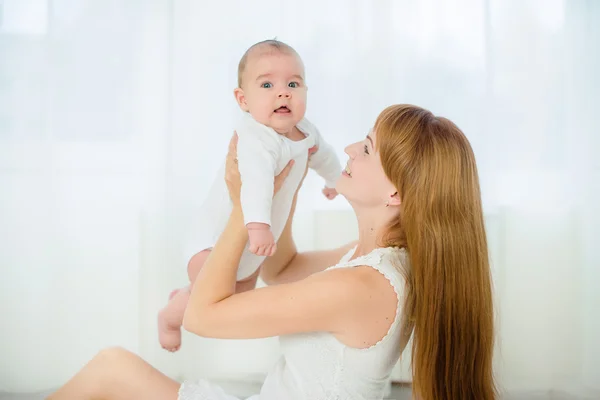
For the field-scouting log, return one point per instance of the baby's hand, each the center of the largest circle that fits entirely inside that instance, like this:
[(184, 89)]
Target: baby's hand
[(330, 193), (262, 242)]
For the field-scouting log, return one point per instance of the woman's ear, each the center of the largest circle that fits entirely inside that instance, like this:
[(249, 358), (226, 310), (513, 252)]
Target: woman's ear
[(238, 93), (394, 199)]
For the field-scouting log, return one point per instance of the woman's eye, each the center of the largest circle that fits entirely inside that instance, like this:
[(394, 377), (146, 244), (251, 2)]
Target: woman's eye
[(266, 85), (366, 149)]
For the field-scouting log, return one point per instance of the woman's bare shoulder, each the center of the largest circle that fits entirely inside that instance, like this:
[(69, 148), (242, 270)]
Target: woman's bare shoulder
[(370, 308)]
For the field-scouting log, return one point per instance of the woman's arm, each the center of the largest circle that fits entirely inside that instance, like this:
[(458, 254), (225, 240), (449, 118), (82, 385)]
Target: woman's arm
[(287, 265), (329, 301), (217, 278)]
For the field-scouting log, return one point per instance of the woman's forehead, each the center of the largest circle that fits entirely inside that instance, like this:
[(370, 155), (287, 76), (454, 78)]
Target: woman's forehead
[(371, 136)]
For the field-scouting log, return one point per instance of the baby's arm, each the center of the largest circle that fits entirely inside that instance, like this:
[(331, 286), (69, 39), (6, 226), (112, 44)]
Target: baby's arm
[(257, 154), (326, 163)]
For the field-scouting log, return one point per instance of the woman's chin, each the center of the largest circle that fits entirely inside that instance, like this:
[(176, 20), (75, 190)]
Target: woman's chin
[(343, 190), (342, 182), (340, 185)]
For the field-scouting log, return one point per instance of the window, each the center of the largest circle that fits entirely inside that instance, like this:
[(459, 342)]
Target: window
[(24, 17)]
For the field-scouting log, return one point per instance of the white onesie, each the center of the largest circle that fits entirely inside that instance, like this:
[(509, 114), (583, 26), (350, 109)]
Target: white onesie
[(262, 153)]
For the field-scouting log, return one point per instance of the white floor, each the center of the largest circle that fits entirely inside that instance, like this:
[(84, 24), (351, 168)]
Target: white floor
[(238, 389), (398, 393)]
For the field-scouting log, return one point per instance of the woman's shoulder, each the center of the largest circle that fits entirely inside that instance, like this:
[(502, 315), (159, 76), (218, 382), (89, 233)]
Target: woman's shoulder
[(391, 263), (375, 284)]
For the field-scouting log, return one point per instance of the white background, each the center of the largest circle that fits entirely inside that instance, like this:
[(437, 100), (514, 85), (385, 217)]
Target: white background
[(114, 114)]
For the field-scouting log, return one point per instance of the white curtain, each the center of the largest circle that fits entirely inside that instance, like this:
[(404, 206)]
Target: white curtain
[(113, 113)]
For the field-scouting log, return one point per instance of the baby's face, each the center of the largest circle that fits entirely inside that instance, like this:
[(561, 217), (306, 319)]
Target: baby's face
[(273, 90)]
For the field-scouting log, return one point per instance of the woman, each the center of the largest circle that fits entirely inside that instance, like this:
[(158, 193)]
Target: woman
[(345, 315)]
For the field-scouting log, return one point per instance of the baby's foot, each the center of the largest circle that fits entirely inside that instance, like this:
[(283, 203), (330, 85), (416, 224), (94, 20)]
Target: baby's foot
[(173, 293), (168, 336)]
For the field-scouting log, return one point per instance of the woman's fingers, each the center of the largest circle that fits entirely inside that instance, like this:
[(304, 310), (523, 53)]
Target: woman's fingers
[(232, 169), (286, 170), (232, 173), (232, 150), (231, 158), (233, 144)]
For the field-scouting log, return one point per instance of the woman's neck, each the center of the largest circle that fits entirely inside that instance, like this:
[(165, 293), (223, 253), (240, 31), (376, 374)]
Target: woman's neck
[(372, 225)]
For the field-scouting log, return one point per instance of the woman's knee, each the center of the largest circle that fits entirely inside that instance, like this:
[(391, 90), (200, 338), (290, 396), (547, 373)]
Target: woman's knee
[(112, 355), (105, 369), (195, 264), (112, 362), (111, 369)]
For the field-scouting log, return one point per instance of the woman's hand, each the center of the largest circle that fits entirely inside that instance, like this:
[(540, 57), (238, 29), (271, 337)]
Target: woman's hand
[(232, 173)]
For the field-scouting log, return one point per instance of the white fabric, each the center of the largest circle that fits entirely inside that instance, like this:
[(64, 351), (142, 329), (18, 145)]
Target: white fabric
[(114, 116), (317, 366), (262, 153)]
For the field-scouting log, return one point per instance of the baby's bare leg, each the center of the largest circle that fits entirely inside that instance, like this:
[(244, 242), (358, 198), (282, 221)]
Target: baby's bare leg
[(116, 374), (198, 260), (248, 283), (195, 264), (170, 318)]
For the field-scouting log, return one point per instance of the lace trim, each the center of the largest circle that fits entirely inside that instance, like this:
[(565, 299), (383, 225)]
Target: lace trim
[(373, 259), (202, 390), (347, 256)]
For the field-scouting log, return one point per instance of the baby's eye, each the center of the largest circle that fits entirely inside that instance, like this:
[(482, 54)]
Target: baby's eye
[(293, 84), (267, 85)]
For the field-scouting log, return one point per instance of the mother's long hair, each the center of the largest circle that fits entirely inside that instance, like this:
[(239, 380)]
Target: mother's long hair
[(449, 291)]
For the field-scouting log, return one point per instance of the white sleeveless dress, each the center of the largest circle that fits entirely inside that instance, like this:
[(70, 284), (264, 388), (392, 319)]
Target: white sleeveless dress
[(317, 366)]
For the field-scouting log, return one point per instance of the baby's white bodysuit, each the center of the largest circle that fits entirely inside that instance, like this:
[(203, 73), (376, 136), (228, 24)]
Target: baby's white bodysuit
[(263, 153)]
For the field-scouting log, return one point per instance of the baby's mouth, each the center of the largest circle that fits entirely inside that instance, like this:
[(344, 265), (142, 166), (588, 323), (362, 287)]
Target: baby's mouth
[(282, 110)]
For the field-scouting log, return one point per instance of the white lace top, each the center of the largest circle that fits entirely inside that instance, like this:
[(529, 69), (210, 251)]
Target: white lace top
[(317, 366)]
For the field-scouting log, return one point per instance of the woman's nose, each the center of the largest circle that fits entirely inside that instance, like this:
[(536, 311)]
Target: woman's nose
[(350, 150)]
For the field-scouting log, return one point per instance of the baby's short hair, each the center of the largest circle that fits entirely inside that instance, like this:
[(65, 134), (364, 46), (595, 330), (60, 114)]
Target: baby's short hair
[(272, 44)]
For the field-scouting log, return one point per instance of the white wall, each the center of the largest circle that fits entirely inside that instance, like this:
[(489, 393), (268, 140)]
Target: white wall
[(81, 180), (112, 114)]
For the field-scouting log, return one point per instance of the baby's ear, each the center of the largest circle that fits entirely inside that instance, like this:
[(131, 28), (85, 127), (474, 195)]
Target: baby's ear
[(238, 93)]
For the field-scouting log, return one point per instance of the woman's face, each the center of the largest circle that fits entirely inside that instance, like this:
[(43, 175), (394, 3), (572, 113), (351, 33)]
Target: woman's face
[(364, 182)]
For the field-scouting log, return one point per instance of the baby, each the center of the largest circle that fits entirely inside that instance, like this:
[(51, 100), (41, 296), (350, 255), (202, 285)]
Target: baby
[(272, 131)]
